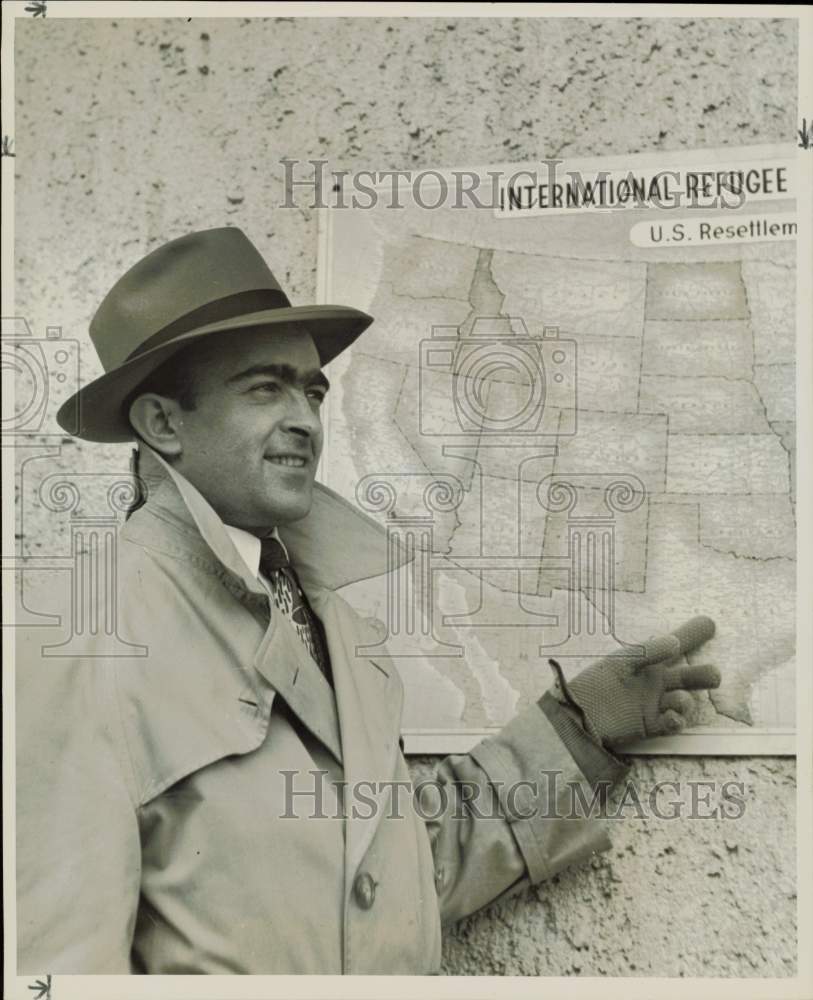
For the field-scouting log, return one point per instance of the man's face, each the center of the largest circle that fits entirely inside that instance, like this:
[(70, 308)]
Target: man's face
[(252, 442)]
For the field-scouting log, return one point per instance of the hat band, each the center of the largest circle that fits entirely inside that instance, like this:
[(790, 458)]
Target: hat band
[(230, 307)]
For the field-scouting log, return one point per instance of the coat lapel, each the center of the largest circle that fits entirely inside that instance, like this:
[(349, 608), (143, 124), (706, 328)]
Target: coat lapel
[(288, 667), (369, 700)]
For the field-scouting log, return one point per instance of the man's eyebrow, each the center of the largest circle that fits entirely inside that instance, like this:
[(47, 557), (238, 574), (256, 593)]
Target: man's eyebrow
[(285, 373)]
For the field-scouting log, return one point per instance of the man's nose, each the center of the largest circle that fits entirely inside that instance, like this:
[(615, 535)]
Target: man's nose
[(301, 417)]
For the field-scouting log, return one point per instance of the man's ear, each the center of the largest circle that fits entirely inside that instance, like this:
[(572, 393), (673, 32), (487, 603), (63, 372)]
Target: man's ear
[(156, 419)]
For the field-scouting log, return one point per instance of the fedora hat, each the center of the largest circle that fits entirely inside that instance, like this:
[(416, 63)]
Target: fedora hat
[(209, 282)]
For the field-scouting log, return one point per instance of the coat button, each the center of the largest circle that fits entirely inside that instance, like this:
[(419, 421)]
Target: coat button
[(364, 890)]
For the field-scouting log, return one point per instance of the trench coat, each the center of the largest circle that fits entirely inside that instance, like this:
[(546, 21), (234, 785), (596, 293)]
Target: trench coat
[(165, 823)]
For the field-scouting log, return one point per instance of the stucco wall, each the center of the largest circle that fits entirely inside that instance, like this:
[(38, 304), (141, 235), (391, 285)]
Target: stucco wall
[(131, 132)]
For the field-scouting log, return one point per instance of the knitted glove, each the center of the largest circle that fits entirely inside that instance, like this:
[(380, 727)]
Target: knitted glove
[(625, 698)]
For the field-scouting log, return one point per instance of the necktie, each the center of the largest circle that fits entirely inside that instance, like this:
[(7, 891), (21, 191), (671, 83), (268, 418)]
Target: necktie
[(292, 602)]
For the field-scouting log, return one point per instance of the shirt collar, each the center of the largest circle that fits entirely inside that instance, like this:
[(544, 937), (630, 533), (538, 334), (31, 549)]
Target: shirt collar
[(334, 545), (249, 547)]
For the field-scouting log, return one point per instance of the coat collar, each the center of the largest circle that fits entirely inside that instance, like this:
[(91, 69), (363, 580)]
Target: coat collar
[(333, 546)]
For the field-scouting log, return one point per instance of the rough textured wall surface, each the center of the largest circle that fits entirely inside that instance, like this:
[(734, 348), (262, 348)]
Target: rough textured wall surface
[(131, 132)]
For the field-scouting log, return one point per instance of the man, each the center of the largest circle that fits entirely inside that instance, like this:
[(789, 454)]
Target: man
[(231, 801)]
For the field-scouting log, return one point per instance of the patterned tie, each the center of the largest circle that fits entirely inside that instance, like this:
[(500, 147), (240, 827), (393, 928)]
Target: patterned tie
[(292, 602)]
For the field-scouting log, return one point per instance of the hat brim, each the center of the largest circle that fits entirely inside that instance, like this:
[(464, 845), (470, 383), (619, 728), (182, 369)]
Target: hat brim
[(94, 413)]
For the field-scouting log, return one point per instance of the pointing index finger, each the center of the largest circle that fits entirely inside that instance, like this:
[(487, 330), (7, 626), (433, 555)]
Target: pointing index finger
[(694, 633)]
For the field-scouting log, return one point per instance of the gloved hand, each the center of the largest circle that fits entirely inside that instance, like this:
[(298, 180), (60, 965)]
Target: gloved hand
[(630, 697)]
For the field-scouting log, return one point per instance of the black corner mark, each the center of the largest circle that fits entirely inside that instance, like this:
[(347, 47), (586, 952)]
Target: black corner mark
[(37, 8), (7, 149), (805, 134), (43, 988)]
